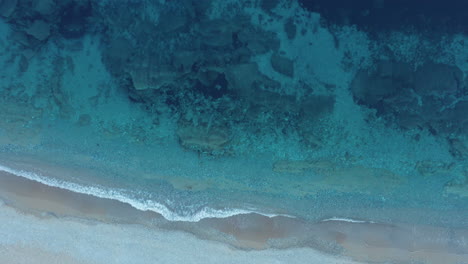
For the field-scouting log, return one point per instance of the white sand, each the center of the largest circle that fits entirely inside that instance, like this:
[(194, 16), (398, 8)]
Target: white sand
[(28, 239)]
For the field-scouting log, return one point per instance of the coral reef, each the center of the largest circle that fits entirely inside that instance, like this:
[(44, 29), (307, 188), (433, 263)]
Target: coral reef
[(225, 76), (433, 96), (197, 63)]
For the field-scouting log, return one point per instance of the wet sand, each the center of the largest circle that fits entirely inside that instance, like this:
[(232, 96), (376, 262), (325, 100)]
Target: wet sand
[(39, 224), (36, 208)]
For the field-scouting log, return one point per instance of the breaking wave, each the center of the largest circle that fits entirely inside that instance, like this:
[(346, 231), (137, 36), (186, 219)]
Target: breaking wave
[(140, 204)]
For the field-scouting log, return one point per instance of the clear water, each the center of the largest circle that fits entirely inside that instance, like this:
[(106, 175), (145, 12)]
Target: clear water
[(217, 108)]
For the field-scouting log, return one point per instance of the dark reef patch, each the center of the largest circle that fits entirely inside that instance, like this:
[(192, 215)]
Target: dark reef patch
[(217, 89), (73, 19), (432, 96)]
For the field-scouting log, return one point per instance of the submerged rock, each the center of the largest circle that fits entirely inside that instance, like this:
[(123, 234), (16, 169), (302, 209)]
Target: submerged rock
[(152, 78), (424, 98), (7, 7), (439, 80), (268, 5), (44, 7), (282, 65), (208, 139), (244, 79), (84, 120), (39, 29), (371, 86), (290, 28), (74, 19), (429, 168), (117, 54), (458, 148)]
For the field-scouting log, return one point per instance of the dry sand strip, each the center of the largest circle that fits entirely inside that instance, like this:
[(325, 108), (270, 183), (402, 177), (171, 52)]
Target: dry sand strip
[(26, 239), (17, 254), (362, 241)]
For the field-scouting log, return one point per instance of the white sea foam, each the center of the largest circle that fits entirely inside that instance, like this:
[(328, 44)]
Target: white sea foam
[(348, 220), (119, 195)]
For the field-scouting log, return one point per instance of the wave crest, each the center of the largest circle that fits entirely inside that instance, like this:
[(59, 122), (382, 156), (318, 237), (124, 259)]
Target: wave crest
[(119, 195)]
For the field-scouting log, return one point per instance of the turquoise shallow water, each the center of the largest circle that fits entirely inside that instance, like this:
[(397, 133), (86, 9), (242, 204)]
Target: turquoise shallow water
[(183, 186), (215, 111)]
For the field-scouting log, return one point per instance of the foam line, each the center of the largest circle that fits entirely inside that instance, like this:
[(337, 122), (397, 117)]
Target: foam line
[(347, 220), (115, 194)]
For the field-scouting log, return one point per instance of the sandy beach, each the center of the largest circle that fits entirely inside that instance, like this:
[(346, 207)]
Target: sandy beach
[(61, 227), (226, 131), (43, 224)]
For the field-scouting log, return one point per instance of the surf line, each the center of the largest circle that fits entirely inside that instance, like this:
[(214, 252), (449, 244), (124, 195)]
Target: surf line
[(347, 220), (142, 205)]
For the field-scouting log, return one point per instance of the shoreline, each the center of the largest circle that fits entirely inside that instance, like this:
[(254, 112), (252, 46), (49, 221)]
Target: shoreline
[(117, 194), (85, 175), (334, 237)]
